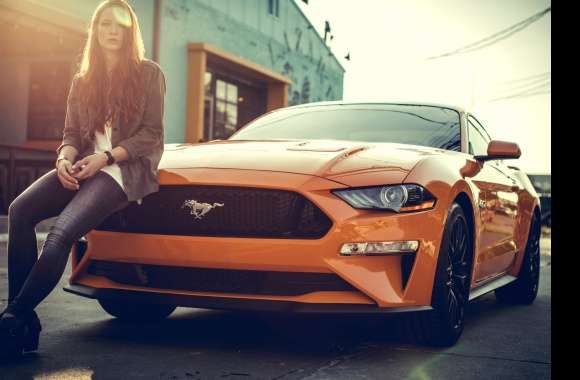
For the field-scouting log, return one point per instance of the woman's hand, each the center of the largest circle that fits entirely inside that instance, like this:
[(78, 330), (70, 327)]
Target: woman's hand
[(64, 170), (89, 165)]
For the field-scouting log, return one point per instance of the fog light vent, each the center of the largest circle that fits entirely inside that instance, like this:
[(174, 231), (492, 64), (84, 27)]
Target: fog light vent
[(379, 248)]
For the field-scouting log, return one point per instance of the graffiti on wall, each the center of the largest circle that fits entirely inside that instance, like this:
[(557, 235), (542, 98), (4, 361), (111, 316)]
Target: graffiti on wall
[(302, 89), (300, 56), (176, 8)]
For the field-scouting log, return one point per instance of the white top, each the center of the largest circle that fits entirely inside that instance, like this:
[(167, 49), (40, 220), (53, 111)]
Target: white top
[(102, 144)]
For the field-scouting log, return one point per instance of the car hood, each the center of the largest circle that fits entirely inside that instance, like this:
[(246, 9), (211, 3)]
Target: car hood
[(330, 159)]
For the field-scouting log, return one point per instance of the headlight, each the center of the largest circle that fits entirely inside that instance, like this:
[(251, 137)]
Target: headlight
[(399, 198)]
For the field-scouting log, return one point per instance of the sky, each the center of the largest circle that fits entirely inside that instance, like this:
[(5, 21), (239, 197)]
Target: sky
[(390, 41)]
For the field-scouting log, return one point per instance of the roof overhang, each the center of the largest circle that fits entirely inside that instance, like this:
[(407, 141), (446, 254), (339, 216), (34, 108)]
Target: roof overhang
[(217, 57)]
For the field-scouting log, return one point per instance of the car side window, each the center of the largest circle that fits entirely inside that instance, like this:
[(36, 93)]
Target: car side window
[(477, 140), (479, 127)]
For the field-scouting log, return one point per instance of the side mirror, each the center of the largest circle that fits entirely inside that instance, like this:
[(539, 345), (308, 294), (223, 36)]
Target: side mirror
[(500, 150)]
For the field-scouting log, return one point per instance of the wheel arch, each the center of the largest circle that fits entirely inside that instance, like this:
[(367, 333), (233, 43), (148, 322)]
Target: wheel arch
[(527, 225), (445, 178), (537, 212), (466, 204)]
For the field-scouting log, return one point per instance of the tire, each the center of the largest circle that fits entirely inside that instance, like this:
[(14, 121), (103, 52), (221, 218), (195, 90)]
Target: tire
[(132, 312), (525, 289), (443, 326)]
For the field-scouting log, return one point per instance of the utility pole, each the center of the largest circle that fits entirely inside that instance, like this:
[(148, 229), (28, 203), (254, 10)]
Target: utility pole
[(326, 30)]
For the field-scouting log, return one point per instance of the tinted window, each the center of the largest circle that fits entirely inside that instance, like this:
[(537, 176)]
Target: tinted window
[(477, 141), (274, 7), (404, 124)]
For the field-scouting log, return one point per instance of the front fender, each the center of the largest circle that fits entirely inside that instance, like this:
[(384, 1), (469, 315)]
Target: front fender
[(447, 179)]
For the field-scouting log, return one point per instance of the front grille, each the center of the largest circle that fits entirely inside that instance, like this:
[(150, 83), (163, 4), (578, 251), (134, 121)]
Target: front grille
[(218, 280), (246, 212)]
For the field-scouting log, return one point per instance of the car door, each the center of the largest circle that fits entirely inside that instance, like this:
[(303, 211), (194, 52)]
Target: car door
[(497, 209)]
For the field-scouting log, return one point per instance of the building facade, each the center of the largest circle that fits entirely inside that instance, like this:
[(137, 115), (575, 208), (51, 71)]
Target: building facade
[(225, 61)]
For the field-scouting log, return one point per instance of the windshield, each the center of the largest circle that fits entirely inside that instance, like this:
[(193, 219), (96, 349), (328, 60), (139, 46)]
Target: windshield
[(430, 126)]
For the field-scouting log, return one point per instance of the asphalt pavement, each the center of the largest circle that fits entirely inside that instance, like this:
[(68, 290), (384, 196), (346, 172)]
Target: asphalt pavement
[(80, 341)]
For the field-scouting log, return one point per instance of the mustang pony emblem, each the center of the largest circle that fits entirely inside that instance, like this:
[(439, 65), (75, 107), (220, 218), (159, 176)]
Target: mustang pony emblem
[(199, 209)]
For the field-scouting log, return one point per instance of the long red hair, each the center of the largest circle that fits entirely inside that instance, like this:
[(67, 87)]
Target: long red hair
[(117, 97)]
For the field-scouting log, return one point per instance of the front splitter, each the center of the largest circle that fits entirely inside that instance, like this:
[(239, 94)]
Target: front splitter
[(234, 303)]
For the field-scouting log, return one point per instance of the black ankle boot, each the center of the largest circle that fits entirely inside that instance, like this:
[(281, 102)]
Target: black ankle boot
[(13, 333), (34, 329)]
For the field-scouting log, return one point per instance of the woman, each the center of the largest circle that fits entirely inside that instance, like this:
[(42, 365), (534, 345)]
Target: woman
[(112, 144)]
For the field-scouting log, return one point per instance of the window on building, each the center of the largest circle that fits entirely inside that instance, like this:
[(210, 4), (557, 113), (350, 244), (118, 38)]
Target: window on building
[(226, 109), (48, 91), (208, 105), (274, 7), (230, 102)]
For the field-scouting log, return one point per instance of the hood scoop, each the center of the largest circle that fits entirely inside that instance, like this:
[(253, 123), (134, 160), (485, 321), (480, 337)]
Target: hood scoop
[(317, 147), (175, 147)]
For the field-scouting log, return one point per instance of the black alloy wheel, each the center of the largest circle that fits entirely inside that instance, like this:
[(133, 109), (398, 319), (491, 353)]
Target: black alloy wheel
[(458, 272), (524, 290), (444, 324)]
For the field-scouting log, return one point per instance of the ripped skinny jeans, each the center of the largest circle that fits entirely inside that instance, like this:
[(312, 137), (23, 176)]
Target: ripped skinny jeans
[(31, 279)]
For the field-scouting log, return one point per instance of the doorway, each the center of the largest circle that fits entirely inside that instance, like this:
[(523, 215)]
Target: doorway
[(229, 104)]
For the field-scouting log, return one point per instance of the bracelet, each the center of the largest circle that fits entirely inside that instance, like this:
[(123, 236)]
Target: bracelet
[(61, 158), (110, 158)]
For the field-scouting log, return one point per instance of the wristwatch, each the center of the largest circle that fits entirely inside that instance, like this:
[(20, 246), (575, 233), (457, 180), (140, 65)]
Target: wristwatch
[(110, 158)]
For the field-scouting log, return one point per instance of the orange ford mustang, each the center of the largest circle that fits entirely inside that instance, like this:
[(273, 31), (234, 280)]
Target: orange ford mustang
[(326, 207)]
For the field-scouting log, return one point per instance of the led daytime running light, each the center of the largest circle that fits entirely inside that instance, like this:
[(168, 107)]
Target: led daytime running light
[(379, 248)]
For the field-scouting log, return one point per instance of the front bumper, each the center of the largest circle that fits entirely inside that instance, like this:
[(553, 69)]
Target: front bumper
[(378, 282)]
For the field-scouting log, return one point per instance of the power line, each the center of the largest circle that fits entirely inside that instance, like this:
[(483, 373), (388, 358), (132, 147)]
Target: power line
[(522, 85), (537, 93), (523, 96), (537, 89), (495, 38), (524, 79), (533, 88), (529, 83)]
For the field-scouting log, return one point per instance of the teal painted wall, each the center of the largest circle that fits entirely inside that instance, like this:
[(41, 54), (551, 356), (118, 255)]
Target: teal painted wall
[(83, 10), (13, 101), (14, 83), (284, 44), (245, 28)]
